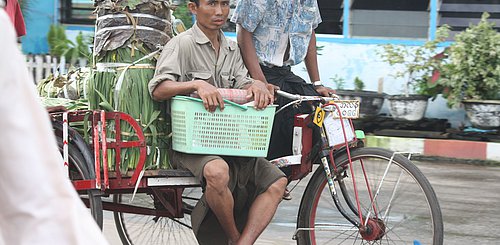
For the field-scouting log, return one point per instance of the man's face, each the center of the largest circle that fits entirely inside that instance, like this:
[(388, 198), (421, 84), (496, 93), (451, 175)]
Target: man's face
[(211, 14)]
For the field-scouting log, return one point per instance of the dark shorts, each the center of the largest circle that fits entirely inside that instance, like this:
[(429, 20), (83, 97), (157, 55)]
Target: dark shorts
[(248, 177), (256, 173)]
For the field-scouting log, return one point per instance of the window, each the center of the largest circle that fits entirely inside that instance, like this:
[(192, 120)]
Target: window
[(460, 13), (375, 18), (77, 12), (390, 18)]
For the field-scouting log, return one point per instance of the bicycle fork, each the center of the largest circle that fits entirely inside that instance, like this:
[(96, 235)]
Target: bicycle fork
[(333, 192)]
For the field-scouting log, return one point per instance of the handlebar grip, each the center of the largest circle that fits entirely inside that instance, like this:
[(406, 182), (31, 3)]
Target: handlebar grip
[(288, 95)]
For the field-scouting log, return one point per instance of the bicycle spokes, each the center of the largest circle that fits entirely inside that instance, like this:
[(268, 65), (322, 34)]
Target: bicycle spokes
[(396, 202)]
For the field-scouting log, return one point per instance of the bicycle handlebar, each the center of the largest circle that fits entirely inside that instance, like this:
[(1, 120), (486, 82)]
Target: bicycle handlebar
[(296, 98), (288, 95)]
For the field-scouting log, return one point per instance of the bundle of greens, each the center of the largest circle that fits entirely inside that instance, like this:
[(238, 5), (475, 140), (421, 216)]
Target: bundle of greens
[(128, 36), (70, 105), (70, 86)]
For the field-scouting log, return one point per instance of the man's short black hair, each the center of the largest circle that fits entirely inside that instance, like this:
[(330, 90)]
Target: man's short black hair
[(197, 2)]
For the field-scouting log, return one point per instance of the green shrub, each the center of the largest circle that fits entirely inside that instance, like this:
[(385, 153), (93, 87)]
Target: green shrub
[(472, 67)]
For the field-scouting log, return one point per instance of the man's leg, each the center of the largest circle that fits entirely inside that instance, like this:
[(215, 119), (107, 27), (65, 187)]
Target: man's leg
[(219, 197), (262, 211)]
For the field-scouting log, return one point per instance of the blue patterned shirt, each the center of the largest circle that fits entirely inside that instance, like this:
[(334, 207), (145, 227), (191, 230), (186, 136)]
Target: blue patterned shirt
[(274, 23)]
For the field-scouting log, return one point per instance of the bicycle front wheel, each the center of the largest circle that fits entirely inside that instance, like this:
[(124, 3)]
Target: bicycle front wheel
[(397, 203), (141, 229)]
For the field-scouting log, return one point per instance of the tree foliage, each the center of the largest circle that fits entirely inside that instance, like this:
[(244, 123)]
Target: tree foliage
[(182, 12), (359, 85), (60, 45)]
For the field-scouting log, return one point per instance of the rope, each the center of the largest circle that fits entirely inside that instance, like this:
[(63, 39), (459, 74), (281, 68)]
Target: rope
[(138, 15), (113, 67), (99, 32)]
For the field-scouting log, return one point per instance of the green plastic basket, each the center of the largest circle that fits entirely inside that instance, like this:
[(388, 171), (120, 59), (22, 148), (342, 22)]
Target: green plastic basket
[(237, 131)]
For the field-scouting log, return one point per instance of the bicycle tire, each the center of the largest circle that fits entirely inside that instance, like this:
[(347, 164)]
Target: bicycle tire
[(80, 170), (138, 229), (412, 213)]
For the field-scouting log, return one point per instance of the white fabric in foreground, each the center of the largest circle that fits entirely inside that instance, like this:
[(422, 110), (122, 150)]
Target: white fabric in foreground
[(38, 204)]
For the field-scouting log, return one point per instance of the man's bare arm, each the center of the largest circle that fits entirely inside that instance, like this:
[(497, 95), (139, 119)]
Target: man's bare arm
[(249, 54), (207, 92), (311, 61)]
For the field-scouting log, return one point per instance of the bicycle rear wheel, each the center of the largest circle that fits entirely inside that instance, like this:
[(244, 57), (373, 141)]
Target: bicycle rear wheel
[(405, 211), (141, 229)]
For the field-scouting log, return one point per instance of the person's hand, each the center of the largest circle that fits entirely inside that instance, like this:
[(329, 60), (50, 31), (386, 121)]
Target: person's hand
[(325, 91), (262, 93), (272, 89), (210, 96)]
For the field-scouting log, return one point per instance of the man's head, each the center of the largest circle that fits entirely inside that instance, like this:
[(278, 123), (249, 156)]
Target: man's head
[(210, 14)]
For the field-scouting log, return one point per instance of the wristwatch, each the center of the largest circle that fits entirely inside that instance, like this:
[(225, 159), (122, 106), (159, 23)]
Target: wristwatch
[(317, 83)]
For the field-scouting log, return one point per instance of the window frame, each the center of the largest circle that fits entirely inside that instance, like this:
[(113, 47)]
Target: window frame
[(346, 29), (68, 17)]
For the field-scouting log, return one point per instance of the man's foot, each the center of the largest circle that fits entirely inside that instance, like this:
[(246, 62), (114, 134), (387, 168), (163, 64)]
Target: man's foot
[(286, 195)]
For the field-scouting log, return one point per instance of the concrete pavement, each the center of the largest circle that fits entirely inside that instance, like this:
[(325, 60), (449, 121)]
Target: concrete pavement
[(469, 197)]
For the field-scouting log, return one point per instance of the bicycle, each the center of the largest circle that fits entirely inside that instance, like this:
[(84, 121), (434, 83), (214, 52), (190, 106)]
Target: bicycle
[(356, 194)]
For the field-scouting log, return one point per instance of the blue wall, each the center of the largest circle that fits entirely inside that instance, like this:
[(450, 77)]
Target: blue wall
[(41, 15)]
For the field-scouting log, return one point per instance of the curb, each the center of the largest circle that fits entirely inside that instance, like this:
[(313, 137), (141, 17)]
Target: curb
[(441, 148)]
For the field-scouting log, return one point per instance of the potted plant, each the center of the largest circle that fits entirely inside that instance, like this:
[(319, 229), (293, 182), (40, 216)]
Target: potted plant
[(471, 73), (415, 65), (370, 101)]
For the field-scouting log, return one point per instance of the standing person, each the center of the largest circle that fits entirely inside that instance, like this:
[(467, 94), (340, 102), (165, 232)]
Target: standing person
[(13, 10), (38, 204), (273, 36), (240, 194)]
